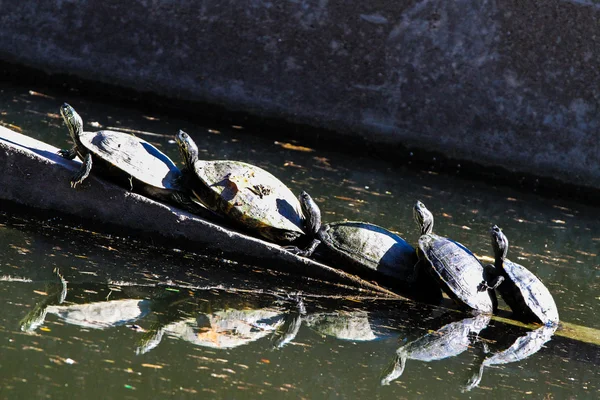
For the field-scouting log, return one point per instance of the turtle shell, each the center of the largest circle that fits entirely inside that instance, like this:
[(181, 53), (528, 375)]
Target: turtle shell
[(371, 246), (134, 156), (457, 270), (526, 294), (250, 196)]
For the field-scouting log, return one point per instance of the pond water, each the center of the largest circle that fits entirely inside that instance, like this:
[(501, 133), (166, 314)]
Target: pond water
[(101, 327)]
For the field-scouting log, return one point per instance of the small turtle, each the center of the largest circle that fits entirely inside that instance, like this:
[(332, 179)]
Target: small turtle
[(245, 194), (449, 341), (525, 294), (365, 249), (457, 270), (522, 348), (131, 160)]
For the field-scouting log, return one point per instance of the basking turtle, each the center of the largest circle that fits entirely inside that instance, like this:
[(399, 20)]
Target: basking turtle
[(448, 341), (522, 348), (525, 294), (457, 270), (130, 160), (364, 249), (247, 195)]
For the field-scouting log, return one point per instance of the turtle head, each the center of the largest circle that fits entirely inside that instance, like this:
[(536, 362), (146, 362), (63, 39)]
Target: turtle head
[(72, 120), (187, 149), (423, 218), (311, 211), (499, 243)]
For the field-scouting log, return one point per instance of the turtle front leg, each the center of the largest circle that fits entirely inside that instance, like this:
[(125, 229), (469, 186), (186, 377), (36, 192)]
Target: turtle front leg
[(491, 279), (83, 173), (69, 154), (306, 252)]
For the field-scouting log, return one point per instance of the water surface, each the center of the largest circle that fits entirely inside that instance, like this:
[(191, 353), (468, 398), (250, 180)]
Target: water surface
[(117, 333)]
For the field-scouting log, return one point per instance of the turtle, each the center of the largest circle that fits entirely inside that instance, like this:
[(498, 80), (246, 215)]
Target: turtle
[(524, 292), (244, 194), (456, 269), (128, 159), (365, 249), (522, 348), (448, 341)]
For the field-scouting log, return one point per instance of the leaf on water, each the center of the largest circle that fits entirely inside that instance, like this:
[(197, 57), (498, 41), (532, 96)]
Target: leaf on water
[(33, 348), (265, 361), (585, 253), (292, 164), (38, 94), (294, 147), (152, 366)]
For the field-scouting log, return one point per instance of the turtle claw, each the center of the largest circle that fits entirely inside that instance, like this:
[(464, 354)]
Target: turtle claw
[(69, 154), (483, 286)]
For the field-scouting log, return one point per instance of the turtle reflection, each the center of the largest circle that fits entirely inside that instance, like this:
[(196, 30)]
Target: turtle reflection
[(449, 341), (522, 348), (349, 325), (57, 292), (226, 321), (94, 315), (291, 325)]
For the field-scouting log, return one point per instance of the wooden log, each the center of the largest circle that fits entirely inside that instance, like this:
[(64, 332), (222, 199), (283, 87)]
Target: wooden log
[(34, 176)]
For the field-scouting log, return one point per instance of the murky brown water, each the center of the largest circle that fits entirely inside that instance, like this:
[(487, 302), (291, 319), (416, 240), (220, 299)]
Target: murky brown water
[(116, 334)]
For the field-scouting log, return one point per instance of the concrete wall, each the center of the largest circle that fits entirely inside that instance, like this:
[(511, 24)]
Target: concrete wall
[(506, 83)]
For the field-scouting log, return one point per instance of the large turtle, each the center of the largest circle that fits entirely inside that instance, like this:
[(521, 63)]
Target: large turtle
[(245, 194), (457, 270), (126, 158), (365, 249), (448, 341), (525, 294)]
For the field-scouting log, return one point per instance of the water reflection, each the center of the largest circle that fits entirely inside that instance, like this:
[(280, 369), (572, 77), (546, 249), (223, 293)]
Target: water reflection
[(298, 355), (448, 341), (218, 320), (525, 346)]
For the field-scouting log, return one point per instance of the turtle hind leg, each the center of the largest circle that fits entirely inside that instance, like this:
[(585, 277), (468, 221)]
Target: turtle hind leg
[(84, 171), (69, 154), (306, 252)]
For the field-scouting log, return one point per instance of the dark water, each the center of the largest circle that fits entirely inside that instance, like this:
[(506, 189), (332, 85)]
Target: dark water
[(112, 332)]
